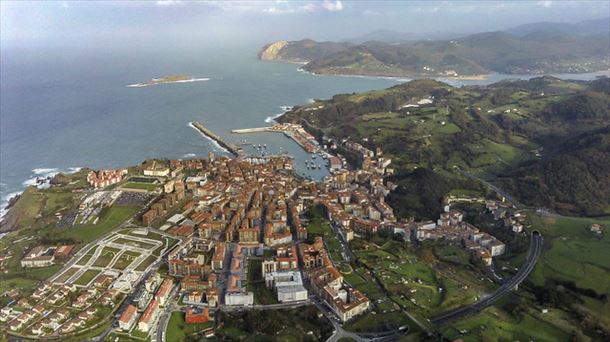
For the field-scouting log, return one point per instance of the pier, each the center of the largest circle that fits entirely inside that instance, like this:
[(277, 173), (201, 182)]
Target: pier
[(252, 130), (233, 149)]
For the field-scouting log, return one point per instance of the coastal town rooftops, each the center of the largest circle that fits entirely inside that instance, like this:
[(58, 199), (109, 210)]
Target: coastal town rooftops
[(128, 314), (150, 311)]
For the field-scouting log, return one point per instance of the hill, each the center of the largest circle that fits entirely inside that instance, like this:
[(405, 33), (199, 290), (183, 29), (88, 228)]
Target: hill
[(503, 132), (584, 28), (301, 51), (538, 48)]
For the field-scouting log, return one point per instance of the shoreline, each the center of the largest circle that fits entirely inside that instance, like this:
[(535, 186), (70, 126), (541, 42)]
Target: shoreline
[(479, 77), (404, 78)]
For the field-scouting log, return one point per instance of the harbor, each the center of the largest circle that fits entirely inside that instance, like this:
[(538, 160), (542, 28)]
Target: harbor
[(294, 131)]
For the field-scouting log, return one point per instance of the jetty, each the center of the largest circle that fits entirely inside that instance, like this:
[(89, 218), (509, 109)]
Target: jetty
[(253, 130), (233, 149)]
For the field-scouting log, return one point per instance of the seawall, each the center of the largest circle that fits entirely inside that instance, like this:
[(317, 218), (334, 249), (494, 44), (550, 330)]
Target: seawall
[(233, 149)]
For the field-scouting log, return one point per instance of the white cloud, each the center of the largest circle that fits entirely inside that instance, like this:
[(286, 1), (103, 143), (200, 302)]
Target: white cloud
[(545, 4), (64, 4), (332, 6), (168, 2)]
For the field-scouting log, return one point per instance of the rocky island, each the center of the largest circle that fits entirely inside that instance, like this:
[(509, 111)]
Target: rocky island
[(168, 79)]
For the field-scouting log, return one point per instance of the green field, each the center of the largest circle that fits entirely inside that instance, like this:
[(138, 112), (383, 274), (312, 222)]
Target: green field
[(301, 324), (496, 325), (110, 219), (85, 258), (178, 330), (573, 253), (411, 279), (125, 260), (140, 186), (105, 257), (147, 262), (256, 284), (67, 274), (27, 278), (319, 226), (86, 277)]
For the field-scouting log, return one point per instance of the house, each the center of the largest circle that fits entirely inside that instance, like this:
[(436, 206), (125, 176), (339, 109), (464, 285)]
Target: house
[(155, 169), (103, 178), (149, 316), (596, 229), (128, 318), (39, 256), (164, 291), (196, 316)]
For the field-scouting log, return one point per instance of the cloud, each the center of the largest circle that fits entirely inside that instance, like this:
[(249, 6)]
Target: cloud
[(166, 3), (545, 4), (64, 4), (332, 6)]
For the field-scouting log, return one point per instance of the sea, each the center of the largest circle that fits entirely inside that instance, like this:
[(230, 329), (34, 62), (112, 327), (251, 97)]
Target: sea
[(63, 110)]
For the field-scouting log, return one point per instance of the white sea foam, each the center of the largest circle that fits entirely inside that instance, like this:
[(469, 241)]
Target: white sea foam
[(190, 80), (40, 178), (43, 171), (214, 142), (4, 203), (271, 119), (189, 155)]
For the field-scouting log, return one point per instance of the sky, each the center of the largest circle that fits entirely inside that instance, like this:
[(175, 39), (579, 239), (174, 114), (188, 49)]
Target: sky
[(108, 24)]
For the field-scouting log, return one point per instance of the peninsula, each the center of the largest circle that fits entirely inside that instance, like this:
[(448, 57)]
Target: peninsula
[(515, 51)]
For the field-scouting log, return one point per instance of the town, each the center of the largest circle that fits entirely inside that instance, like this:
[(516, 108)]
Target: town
[(222, 234)]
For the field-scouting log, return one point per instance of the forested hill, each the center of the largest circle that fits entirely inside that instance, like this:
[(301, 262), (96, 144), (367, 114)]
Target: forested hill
[(521, 134), (536, 49)]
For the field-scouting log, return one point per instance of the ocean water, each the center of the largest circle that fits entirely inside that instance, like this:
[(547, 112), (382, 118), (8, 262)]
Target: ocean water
[(63, 110)]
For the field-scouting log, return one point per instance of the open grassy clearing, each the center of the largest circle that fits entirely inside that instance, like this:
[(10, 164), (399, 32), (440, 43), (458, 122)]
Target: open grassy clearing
[(86, 277), (146, 262), (494, 324), (106, 256), (256, 284), (140, 186), (85, 258), (125, 260), (111, 219), (67, 274)]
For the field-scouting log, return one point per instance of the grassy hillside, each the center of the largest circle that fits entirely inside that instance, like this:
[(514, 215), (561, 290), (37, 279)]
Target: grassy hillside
[(513, 129), (528, 51)]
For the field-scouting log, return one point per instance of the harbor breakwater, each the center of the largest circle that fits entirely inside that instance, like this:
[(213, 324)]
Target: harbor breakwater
[(233, 149)]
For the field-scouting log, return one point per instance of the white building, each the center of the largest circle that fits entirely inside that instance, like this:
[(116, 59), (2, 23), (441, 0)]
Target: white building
[(239, 298), (288, 285)]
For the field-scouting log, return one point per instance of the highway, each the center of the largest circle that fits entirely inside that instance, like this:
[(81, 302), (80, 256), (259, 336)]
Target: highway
[(499, 191), (524, 271)]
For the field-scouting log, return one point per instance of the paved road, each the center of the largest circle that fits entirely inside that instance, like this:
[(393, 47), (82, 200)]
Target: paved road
[(501, 192), (524, 271)]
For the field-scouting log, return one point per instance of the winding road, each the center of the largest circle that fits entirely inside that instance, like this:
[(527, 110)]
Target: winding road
[(524, 271)]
